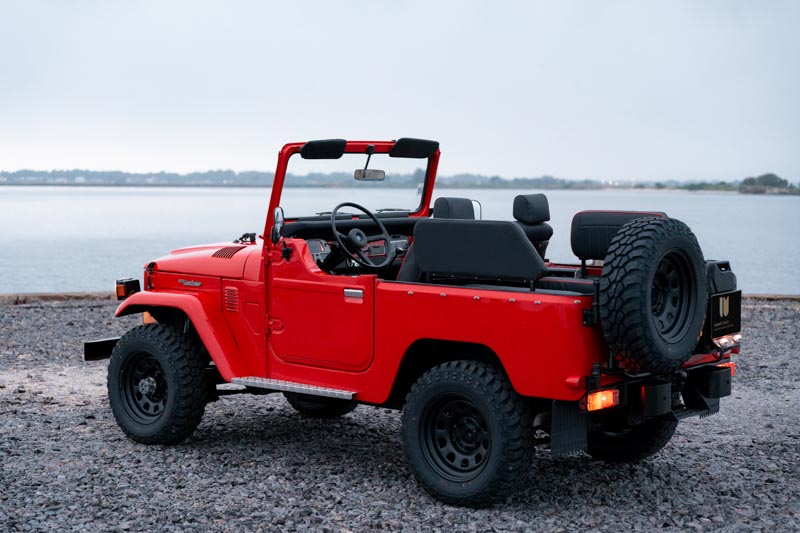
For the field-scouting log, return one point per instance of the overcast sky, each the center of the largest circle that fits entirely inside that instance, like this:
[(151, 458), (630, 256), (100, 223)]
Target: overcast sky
[(603, 90)]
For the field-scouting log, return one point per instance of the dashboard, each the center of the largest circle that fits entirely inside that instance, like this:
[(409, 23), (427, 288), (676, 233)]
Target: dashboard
[(320, 248)]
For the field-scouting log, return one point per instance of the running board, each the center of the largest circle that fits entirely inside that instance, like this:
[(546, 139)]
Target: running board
[(290, 386)]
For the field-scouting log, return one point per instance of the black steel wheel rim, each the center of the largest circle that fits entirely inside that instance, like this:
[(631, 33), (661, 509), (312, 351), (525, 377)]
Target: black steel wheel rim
[(144, 387), (456, 440), (672, 296)]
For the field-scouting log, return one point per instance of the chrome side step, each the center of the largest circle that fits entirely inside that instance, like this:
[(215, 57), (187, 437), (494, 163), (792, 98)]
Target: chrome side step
[(290, 386)]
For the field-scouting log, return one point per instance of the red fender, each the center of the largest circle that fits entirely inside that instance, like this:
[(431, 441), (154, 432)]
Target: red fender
[(207, 319)]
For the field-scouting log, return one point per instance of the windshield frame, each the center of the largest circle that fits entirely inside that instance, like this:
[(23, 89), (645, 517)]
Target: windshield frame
[(352, 147)]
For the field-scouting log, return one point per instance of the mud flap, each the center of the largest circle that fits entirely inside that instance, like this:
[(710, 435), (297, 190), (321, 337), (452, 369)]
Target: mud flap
[(569, 432)]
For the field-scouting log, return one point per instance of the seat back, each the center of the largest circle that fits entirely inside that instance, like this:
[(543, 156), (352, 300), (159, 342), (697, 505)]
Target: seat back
[(458, 208), (593, 231), (452, 208), (477, 249), (532, 211)]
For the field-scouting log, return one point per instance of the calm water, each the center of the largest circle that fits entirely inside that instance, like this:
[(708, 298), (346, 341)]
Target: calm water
[(57, 239)]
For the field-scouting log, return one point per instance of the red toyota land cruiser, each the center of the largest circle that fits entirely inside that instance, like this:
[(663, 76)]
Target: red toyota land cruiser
[(488, 348)]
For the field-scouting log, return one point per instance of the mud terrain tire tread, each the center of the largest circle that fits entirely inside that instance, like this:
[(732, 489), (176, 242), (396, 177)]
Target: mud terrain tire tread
[(639, 443), (515, 438), (625, 295), (184, 364), (319, 407)]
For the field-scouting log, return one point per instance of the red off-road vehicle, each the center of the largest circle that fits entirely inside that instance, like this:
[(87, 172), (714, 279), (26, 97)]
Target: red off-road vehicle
[(488, 348)]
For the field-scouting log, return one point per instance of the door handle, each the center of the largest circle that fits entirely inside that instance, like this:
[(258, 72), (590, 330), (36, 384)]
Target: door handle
[(353, 293)]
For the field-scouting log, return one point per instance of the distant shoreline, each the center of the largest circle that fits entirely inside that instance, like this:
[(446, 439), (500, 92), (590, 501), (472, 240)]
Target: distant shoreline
[(764, 184), (438, 186)]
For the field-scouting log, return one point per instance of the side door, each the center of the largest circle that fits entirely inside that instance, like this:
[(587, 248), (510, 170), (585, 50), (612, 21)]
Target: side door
[(320, 320)]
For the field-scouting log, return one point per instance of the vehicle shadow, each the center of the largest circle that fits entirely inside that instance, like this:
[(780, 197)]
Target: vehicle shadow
[(367, 446), (360, 441)]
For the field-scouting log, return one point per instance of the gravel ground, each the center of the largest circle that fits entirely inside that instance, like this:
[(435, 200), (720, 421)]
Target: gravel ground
[(255, 464)]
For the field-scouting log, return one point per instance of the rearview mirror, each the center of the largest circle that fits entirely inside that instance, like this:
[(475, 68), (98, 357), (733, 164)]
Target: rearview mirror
[(368, 174)]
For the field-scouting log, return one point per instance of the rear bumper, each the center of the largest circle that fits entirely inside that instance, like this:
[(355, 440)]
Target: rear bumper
[(99, 349), (700, 391), (688, 393)]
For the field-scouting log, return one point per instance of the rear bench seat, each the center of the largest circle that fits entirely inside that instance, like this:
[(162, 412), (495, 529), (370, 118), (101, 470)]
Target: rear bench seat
[(593, 231)]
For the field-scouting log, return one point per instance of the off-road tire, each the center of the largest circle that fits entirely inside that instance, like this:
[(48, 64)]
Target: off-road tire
[(633, 444), (182, 372), (318, 406), (507, 428), (653, 295)]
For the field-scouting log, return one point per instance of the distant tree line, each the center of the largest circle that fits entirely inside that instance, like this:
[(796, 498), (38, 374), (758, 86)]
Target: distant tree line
[(264, 179), (768, 184), (764, 184)]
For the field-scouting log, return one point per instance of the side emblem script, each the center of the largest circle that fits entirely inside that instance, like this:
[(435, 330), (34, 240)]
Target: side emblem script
[(190, 283)]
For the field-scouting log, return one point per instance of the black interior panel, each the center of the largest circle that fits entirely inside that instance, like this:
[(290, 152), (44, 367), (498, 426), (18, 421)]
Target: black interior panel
[(321, 228)]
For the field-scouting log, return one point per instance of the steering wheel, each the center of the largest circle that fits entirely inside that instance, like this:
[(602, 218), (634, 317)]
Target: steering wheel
[(356, 239)]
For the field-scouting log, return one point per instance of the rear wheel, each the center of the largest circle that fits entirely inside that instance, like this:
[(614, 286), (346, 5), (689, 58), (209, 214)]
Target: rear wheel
[(467, 433), (318, 406), (633, 443), (157, 384)]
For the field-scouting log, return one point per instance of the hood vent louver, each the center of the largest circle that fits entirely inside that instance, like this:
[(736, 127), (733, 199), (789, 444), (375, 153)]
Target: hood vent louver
[(227, 252)]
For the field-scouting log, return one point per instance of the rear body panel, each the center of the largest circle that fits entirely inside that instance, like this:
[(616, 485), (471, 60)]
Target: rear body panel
[(538, 337)]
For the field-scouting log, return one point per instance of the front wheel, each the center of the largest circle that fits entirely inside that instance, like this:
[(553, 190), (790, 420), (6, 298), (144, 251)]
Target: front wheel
[(467, 433), (157, 384), (631, 444)]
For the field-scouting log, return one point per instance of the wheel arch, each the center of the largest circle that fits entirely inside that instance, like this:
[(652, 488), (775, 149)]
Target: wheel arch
[(424, 354), (205, 317)]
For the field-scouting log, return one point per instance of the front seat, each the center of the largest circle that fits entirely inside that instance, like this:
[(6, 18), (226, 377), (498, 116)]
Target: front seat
[(454, 208), (532, 211), (449, 208), (476, 250)]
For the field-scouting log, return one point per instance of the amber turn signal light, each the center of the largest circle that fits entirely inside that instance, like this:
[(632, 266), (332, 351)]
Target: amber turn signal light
[(126, 287), (602, 400), (729, 364)]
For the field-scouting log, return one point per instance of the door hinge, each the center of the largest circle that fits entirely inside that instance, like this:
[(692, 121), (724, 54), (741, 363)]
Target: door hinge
[(273, 324), (274, 256)]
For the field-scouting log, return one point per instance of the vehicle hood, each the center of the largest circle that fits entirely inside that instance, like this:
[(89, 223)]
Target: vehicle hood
[(224, 259)]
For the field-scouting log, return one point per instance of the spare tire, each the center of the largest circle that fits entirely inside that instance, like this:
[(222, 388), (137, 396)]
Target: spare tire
[(653, 295)]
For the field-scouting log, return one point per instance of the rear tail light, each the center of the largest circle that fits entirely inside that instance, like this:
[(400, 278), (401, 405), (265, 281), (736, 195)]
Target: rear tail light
[(602, 400), (126, 287)]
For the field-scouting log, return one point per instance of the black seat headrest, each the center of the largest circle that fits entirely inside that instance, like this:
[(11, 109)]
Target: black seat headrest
[(593, 231), (531, 208), (481, 249), (458, 208)]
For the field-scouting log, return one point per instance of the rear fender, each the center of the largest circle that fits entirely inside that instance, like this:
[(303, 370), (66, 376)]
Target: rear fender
[(207, 319)]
